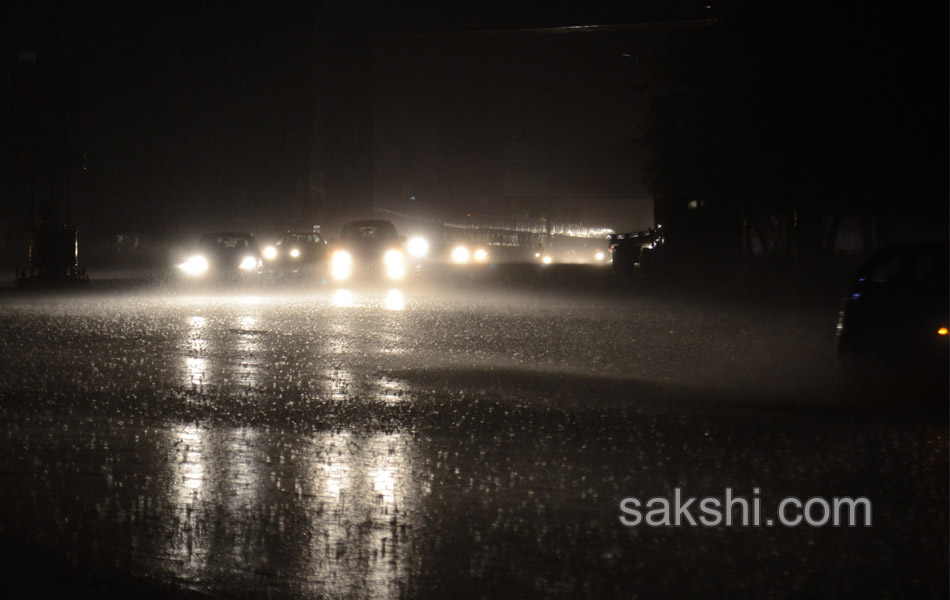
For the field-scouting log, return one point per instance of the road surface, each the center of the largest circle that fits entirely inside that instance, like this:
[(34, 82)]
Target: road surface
[(471, 442)]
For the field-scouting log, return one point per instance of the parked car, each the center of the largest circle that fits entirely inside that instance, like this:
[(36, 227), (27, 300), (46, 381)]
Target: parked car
[(893, 324), (224, 255), (295, 254), (368, 249)]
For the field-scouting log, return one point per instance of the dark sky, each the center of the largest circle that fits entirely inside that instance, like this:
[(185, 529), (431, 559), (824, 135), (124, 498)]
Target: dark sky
[(202, 114), (469, 121), (257, 115)]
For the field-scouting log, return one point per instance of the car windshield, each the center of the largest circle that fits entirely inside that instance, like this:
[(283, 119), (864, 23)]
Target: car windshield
[(225, 242), (300, 238), (924, 266), (369, 231)]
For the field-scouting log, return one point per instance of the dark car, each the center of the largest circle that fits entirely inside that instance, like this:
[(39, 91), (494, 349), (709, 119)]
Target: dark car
[(296, 253), (368, 249), (224, 255), (893, 324)]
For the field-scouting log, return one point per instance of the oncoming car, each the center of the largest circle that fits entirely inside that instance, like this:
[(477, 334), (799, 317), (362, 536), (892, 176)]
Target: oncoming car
[(468, 254), (224, 255), (296, 253), (368, 249)]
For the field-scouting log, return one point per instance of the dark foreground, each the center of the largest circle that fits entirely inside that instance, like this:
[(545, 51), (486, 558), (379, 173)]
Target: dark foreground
[(471, 443)]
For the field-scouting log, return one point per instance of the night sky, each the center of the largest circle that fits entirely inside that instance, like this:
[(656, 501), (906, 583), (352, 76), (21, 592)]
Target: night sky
[(262, 116)]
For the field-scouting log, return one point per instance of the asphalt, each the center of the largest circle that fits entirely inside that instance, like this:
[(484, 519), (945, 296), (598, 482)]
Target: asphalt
[(467, 437)]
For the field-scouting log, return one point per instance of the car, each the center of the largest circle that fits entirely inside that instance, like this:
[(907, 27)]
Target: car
[(295, 254), (467, 253), (892, 326), (225, 256), (369, 249)]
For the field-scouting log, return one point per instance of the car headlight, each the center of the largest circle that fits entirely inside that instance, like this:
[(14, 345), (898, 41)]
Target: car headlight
[(249, 263), (599, 255), (481, 255), (546, 260), (295, 253), (270, 253), (392, 257), (196, 265), (395, 268), (418, 247), (460, 255), (341, 264)]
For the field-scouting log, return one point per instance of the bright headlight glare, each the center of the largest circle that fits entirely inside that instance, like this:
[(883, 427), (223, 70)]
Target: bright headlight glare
[(395, 270), (341, 264), (295, 253), (418, 247), (196, 265), (481, 255), (392, 258), (599, 255), (546, 260), (270, 253), (248, 263), (460, 255)]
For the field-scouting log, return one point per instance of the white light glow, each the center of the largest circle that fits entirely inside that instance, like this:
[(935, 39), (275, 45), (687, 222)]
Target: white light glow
[(599, 255), (248, 263), (546, 260), (341, 265), (395, 268), (395, 300), (460, 255), (270, 253), (196, 265), (481, 255), (343, 299), (418, 247), (295, 253), (392, 257)]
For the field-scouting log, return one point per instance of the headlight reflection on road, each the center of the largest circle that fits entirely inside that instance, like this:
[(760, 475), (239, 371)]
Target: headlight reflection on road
[(226, 492), (188, 491), (211, 469), (247, 365), (395, 300), (363, 479), (196, 365), (343, 299)]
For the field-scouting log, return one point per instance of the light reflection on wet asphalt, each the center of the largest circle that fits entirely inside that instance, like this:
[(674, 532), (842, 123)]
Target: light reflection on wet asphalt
[(387, 443)]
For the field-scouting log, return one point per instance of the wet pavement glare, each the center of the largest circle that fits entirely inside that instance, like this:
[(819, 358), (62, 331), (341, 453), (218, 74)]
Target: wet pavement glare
[(384, 443)]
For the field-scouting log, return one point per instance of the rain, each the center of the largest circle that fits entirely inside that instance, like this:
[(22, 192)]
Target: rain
[(292, 444)]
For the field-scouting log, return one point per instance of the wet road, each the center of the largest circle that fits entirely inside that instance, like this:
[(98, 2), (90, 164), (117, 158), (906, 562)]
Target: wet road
[(468, 443)]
